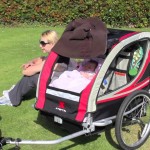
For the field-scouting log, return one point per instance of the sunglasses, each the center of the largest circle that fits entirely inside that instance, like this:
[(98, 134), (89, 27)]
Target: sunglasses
[(43, 43)]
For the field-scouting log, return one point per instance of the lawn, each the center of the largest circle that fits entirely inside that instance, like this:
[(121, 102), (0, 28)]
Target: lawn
[(17, 46)]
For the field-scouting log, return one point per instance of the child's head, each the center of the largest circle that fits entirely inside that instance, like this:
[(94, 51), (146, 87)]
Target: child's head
[(90, 66)]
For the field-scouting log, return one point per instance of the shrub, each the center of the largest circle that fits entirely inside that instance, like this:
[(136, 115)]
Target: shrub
[(59, 12)]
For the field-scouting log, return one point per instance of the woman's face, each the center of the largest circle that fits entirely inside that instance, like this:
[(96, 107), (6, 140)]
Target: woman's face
[(45, 45)]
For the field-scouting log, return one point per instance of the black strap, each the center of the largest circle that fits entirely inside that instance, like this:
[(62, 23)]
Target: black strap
[(118, 70), (2, 142)]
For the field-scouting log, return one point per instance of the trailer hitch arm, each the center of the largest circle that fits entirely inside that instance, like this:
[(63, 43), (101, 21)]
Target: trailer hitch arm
[(18, 141)]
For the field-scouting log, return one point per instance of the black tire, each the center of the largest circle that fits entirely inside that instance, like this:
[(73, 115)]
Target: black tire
[(132, 125)]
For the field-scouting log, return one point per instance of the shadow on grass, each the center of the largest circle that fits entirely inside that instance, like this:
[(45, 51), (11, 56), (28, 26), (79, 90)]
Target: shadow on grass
[(0, 129), (110, 138), (47, 122), (15, 148), (1, 140)]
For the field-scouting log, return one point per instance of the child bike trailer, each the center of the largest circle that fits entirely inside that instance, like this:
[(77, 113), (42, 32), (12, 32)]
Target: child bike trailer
[(118, 93)]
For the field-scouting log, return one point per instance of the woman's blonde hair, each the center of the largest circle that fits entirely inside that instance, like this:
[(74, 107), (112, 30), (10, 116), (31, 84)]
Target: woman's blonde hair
[(51, 35)]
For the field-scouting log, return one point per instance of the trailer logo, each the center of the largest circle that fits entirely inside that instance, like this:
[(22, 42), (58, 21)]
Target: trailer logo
[(61, 106)]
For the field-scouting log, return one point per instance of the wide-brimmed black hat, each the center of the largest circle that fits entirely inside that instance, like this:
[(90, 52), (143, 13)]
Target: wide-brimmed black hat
[(83, 38)]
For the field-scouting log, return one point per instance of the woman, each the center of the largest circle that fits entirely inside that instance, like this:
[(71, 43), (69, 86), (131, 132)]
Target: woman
[(30, 71)]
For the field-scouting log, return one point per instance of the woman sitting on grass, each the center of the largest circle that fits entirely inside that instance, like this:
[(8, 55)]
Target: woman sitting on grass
[(30, 71)]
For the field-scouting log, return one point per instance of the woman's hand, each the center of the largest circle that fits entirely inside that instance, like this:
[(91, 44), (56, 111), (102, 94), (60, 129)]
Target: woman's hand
[(33, 67), (27, 65)]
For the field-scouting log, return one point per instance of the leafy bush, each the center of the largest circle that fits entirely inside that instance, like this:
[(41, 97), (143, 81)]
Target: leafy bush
[(115, 13)]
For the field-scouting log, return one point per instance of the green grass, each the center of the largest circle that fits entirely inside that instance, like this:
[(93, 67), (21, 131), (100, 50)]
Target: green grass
[(18, 45)]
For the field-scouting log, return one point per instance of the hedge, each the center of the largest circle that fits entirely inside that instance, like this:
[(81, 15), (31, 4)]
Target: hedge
[(118, 13)]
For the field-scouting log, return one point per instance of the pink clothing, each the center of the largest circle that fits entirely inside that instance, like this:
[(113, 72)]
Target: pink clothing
[(73, 80)]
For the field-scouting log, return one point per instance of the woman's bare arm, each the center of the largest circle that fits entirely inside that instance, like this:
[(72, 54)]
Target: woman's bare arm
[(33, 69), (33, 62)]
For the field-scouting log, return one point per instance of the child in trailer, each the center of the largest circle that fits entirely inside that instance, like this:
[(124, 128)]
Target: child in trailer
[(76, 80)]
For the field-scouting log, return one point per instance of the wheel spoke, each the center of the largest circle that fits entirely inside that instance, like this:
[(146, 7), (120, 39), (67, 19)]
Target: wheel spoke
[(132, 127)]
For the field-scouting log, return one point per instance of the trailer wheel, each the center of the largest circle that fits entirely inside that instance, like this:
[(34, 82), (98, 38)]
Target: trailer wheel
[(132, 125)]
